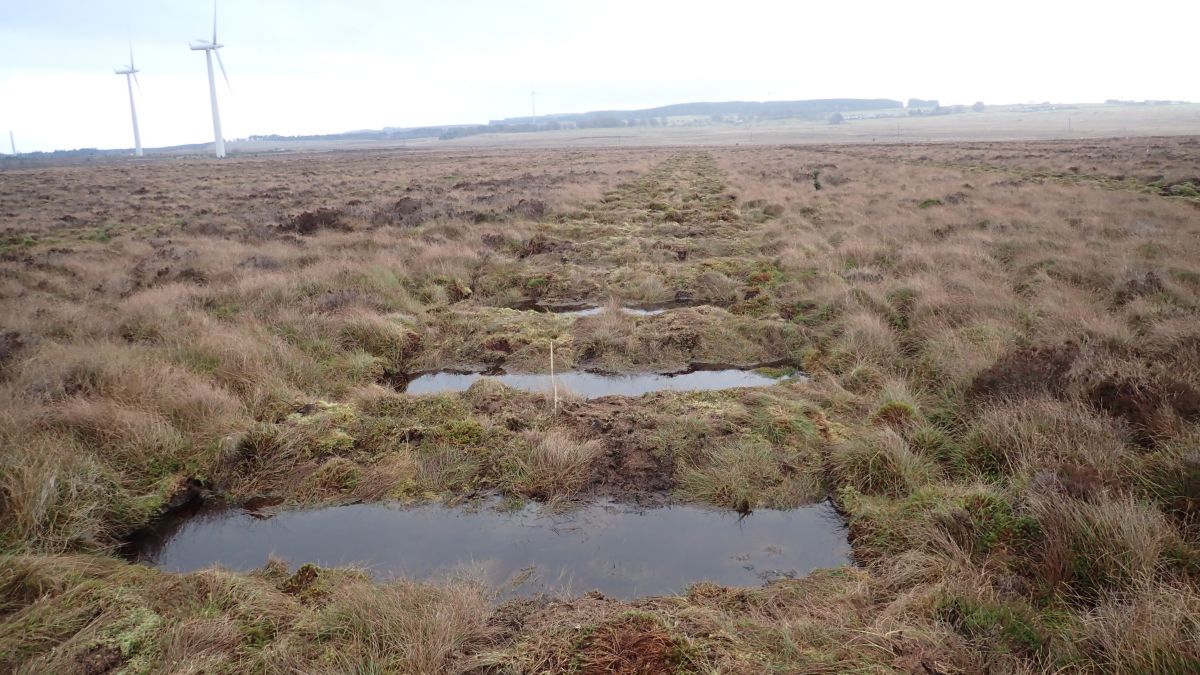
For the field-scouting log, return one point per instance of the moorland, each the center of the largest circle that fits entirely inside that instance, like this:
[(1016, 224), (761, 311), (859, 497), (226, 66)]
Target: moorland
[(1000, 345)]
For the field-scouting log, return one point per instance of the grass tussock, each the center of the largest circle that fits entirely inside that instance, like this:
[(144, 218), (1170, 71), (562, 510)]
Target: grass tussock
[(749, 473), (881, 463), (555, 465), (399, 627)]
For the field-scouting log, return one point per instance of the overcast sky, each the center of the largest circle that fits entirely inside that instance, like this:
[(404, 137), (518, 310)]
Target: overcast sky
[(308, 66)]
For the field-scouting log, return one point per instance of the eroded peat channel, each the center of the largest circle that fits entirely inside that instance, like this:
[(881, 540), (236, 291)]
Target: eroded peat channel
[(621, 550)]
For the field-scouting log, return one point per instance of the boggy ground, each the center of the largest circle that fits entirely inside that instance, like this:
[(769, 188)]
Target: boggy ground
[(1003, 399)]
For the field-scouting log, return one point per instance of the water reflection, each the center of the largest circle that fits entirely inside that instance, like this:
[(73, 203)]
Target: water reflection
[(595, 385), (620, 550)]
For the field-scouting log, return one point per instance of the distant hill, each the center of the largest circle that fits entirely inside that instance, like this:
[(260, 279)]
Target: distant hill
[(812, 109), (725, 111)]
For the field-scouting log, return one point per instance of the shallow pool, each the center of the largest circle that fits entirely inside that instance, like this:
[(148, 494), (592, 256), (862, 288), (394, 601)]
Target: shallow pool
[(595, 385), (620, 550)]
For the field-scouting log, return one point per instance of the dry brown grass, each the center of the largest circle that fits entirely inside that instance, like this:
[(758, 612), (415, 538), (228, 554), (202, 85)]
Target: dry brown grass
[(556, 465), (399, 627)]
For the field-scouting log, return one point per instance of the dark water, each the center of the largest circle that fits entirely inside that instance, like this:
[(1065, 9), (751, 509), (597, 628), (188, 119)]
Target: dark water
[(620, 550), (595, 385)]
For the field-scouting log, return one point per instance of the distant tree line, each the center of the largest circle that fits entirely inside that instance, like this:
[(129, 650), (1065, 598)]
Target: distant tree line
[(815, 109)]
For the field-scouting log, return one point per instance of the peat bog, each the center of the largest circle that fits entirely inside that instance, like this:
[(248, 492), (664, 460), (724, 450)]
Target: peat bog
[(983, 357)]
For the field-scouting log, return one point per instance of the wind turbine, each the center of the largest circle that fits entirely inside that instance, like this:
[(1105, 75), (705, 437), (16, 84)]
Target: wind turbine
[(12, 141), (130, 73), (209, 48)]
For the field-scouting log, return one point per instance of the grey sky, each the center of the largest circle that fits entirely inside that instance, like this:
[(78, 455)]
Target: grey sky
[(302, 66)]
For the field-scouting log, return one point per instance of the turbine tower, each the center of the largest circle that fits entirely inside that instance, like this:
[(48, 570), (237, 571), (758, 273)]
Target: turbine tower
[(130, 73), (12, 141), (210, 48)]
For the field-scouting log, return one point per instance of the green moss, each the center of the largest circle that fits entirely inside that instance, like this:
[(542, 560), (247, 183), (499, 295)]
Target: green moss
[(135, 635), (336, 442), (759, 306), (465, 431), (929, 203), (324, 412), (537, 286)]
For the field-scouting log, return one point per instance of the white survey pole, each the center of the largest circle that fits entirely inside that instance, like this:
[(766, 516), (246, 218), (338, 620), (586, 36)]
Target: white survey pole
[(219, 144)]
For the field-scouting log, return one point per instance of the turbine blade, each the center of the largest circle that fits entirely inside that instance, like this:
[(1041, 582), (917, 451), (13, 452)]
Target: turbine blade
[(131, 67), (135, 81), (222, 64), (214, 22)]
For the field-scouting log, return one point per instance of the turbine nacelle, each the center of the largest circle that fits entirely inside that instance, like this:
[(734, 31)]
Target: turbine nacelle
[(204, 46), (130, 69)]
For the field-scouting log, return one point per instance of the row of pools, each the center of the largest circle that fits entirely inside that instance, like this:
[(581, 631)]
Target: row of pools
[(620, 550)]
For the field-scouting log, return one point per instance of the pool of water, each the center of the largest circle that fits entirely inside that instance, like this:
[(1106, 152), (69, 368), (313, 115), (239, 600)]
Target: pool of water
[(579, 310), (596, 311), (595, 385), (620, 550)]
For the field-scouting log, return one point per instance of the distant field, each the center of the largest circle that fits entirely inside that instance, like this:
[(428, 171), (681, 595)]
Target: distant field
[(985, 355), (1083, 122)]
